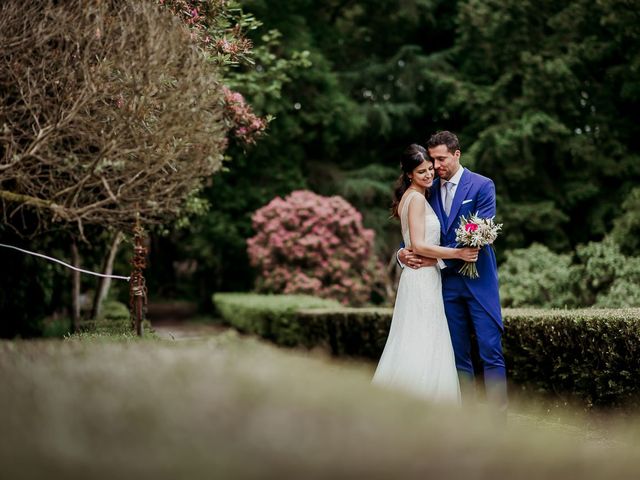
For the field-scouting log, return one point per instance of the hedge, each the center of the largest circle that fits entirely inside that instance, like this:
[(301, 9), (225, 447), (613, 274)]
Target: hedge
[(591, 353), (274, 317)]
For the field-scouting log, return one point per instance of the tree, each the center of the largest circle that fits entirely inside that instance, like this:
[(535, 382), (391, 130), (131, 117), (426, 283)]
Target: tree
[(111, 111), (108, 113)]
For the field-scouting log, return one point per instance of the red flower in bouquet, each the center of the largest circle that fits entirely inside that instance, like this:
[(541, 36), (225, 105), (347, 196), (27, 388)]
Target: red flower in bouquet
[(471, 227)]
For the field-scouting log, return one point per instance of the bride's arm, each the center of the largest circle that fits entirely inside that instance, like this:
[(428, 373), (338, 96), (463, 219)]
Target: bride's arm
[(417, 210)]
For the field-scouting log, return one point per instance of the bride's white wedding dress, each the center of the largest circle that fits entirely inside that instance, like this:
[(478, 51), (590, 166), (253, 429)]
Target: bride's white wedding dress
[(418, 356)]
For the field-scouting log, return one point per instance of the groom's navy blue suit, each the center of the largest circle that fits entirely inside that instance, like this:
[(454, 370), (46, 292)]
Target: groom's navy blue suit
[(473, 303)]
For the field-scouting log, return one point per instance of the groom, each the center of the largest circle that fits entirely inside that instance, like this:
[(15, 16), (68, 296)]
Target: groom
[(470, 304)]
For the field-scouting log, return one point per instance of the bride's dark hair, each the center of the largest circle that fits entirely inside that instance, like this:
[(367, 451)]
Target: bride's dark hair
[(413, 156)]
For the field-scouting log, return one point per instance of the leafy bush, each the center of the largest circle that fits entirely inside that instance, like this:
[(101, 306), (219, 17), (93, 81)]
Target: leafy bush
[(303, 320), (606, 277), (537, 276), (600, 275), (625, 290), (310, 244)]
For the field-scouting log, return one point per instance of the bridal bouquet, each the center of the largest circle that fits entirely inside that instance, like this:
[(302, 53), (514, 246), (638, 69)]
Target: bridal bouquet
[(476, 232)]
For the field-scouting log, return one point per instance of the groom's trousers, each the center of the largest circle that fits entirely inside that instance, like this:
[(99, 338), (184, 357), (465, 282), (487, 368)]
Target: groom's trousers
[(464, 314)]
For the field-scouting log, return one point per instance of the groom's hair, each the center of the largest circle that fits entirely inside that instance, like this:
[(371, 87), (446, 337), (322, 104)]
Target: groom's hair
[(444, 138)]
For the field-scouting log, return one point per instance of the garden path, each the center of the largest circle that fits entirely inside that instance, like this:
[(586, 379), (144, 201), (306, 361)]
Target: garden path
[(180, 321)]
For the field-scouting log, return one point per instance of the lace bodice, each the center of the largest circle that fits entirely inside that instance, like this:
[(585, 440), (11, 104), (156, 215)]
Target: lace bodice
[(431, 222)]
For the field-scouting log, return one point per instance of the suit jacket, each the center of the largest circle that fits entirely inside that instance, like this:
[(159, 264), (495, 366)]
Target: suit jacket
[(474, 194)]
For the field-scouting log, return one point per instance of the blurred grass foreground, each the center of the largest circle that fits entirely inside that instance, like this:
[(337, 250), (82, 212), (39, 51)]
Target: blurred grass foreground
[(229, 406)]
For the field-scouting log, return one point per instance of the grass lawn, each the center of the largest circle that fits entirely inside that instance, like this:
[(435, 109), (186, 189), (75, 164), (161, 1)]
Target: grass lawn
[(228, 406)]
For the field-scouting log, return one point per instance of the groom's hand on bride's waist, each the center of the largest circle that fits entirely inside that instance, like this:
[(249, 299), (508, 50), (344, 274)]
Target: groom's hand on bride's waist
[(407, 258)]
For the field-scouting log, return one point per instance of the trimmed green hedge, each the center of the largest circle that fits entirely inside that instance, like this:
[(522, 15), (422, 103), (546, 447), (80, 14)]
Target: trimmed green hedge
[(274, 317), (591, 353), (360, 332)]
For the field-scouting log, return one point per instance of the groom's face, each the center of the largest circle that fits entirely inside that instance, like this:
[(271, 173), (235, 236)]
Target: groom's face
[(445, 162)]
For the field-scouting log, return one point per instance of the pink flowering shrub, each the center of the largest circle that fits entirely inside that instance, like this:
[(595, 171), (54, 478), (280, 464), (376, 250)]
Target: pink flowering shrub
[(307, 243)]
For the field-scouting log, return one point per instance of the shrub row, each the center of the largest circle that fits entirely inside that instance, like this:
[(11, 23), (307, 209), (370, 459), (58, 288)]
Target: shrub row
[(274, 317), (591, 353)]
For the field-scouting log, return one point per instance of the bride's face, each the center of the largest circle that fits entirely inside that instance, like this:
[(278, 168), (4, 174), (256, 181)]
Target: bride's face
[(423, 175)]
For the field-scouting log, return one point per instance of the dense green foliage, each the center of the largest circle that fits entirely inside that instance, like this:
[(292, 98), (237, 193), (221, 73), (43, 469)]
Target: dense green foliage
[(542, 96), (590, 355), (546, 98), (626, 227), (537, 276)]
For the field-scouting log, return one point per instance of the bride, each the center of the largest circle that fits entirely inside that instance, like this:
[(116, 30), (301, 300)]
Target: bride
[(418, 356)]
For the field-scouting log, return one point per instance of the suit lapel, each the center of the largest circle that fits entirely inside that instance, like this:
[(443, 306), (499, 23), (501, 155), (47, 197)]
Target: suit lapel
[(461, 194)]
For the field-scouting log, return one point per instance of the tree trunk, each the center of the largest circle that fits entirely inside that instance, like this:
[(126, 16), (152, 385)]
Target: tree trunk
[(105, 283), (75, 297)]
